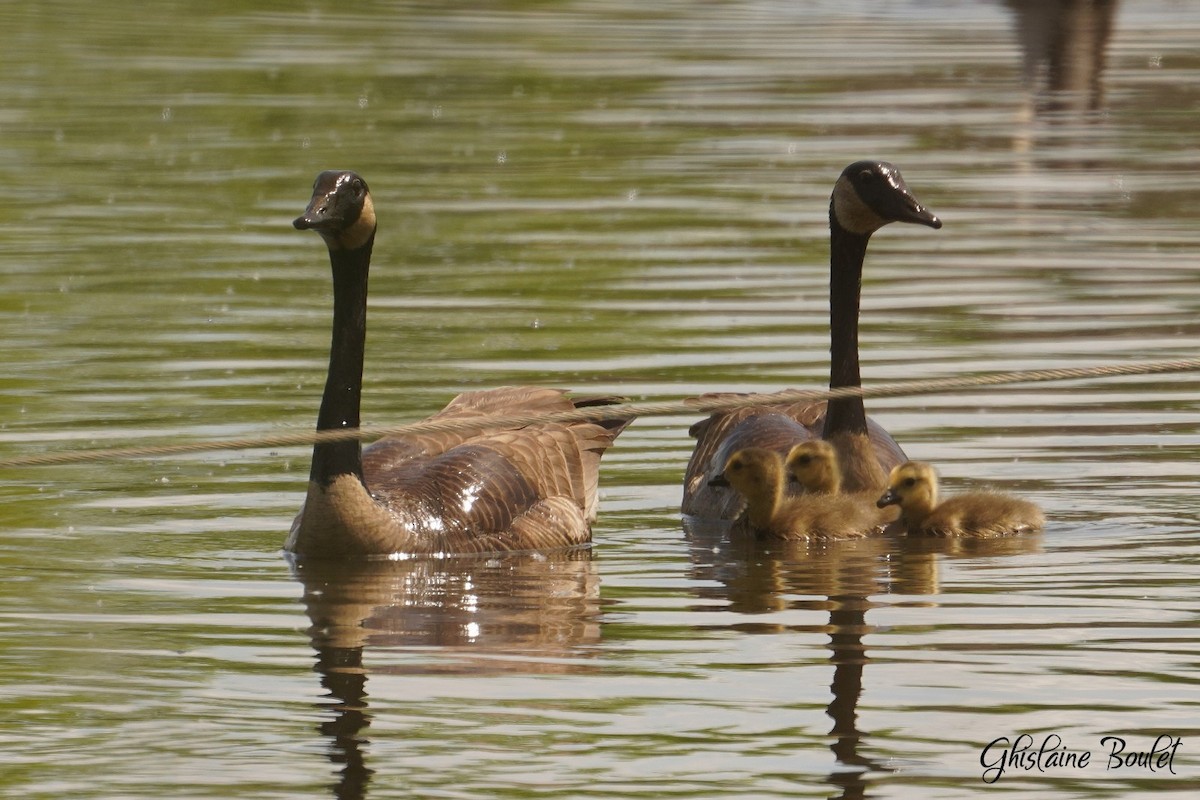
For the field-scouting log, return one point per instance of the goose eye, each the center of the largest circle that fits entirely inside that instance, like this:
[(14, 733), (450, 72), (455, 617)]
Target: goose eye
[(358, 188), (866, 175), (910, 481)]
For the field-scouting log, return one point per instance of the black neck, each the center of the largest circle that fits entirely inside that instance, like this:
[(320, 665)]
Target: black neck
[(343, 386), (846, 253)]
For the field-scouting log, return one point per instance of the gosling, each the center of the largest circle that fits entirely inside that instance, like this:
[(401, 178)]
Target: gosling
[(913, 486), (759, 475), (814, 466)]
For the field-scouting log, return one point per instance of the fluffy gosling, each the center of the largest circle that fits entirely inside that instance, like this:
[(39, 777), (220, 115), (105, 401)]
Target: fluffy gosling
[(760, 476), (913, 486)]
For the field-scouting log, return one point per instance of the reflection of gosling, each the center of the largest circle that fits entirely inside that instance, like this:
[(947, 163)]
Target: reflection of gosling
[(759, 475), (914, 487)]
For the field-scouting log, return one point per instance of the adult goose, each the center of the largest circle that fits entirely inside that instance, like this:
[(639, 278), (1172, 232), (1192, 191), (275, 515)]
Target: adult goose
[(913, 486), (867, 196), (484, 488)]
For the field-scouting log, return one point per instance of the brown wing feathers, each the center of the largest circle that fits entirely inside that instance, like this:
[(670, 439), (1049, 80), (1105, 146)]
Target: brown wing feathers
[(524, 488)]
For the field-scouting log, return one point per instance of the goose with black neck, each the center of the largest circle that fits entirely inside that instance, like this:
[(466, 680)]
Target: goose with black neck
[(484, 487), (866, 196)]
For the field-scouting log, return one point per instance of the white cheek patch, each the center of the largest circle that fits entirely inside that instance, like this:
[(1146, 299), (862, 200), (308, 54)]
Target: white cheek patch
[(361, 231), (852, 213)]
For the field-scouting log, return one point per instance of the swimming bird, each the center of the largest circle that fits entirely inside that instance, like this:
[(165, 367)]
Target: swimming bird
[(479, 488), (913, 486), (813, 465), (759, 475), (866, 196)]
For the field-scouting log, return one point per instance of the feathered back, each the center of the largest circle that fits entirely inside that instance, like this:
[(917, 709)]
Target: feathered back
[(983, 514), (470, 490)]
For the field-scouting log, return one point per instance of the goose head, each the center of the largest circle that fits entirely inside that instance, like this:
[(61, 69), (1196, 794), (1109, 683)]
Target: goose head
[(340, 210), (814, 465), (870, 194), (913, 486)]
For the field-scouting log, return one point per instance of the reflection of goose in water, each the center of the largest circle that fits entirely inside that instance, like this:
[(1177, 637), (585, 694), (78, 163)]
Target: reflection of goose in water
[(751, 586), (524, 613), (465, 491), (1064, 45), (760, 581), (867, 196)]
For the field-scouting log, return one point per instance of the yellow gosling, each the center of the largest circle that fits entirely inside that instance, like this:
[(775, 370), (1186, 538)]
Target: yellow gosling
[(760, 475), (913, 486), (814, 466)]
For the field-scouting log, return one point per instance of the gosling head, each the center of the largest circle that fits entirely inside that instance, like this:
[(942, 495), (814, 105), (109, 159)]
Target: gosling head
[(912, 485), (870, 194), (814, 465), (750, 470), (757, 474), (340, 210)]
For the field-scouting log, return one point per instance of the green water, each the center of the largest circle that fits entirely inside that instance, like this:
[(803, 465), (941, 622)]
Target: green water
[(612, 197)]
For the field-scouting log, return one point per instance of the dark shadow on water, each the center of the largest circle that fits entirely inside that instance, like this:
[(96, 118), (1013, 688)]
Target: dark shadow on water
[(503, 614), (755, 577)]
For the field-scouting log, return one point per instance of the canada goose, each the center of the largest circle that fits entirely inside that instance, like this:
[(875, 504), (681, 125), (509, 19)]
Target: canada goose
[(758, 474), (867, 196), (472, 490), (913, 486)]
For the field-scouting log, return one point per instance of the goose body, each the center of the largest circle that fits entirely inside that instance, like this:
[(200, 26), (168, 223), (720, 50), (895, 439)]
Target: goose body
[(759, 476), (913, 486), (867, 196), (483, 488)]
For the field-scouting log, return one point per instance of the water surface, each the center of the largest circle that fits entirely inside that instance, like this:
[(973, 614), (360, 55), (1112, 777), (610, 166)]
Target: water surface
[(612, 197)]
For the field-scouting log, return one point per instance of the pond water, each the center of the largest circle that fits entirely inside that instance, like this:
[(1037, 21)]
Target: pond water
[(613, 197)]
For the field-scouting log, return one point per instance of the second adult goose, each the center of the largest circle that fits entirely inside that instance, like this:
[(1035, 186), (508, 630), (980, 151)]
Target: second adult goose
[(867, 196), (480, 489)]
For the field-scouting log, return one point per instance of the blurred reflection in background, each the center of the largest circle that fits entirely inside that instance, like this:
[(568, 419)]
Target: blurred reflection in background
[(1064, 45)]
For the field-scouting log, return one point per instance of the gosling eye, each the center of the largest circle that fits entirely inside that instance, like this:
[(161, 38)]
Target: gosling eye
[(805, 460), (909, 482)]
